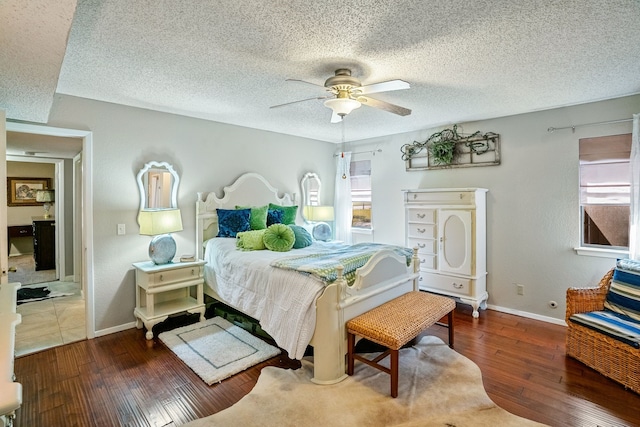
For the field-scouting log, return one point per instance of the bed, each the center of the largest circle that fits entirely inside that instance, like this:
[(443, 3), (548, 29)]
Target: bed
[(296, 309)]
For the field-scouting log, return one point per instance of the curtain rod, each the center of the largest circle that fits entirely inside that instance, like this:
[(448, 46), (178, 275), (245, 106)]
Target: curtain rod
[(573, 128), (379, 150)]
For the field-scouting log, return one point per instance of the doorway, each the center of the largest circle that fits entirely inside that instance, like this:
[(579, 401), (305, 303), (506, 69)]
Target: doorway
[(73, 228)]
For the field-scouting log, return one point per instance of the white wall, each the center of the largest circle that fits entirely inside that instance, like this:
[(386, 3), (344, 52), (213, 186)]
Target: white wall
[(532, 201), (533, 214), (207, 155)]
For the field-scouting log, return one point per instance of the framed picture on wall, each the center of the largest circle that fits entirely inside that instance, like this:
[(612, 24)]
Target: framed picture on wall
[(22, 191)]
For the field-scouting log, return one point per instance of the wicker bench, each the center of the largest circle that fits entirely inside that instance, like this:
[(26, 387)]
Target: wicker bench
[(394, 324)]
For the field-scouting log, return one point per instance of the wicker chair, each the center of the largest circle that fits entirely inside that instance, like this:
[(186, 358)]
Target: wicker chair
[(612, 358)]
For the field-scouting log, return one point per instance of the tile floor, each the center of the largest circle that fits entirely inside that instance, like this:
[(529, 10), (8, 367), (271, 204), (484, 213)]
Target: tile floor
[(51, 322)]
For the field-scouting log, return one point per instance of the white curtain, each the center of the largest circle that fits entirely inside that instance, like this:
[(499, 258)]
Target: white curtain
[(634, 221), (343, 204)]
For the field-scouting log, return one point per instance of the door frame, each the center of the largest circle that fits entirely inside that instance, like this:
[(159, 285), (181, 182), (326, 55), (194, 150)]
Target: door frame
[(87, 280)]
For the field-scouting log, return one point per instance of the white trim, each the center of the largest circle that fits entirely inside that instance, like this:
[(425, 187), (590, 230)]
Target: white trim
[(58, 208), (528, 315), (602, 252), (114, 329), (87, 214)]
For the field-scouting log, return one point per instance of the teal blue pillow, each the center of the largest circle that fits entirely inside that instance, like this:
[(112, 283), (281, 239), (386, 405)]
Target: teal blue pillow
[(258, 217), (279, 238), (289, 213), (233, 221), (303, 238)]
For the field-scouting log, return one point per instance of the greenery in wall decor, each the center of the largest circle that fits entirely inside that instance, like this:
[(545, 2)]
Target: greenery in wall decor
[(448, 148)]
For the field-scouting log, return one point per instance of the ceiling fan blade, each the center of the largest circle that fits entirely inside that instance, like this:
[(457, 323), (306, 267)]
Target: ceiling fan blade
[(383, 105), (303, 81), (384, 87), (300, 100), (335, 118)]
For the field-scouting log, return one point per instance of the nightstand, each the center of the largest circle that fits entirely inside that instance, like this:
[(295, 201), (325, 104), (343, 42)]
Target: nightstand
[(162, 290)]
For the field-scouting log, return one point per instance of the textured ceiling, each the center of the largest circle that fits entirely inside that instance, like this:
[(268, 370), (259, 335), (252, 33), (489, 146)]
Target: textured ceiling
[(227, 60)]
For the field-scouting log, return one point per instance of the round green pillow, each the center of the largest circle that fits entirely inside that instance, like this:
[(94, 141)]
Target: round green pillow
[(279, 238)]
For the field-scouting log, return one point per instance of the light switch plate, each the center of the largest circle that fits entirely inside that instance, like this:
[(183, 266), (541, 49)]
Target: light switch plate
[(121, 229)]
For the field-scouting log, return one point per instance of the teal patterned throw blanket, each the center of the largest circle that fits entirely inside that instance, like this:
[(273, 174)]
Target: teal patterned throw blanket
[(323, 265)]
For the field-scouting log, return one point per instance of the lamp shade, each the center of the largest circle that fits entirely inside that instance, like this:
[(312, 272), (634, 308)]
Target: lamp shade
[(318, 213), (159, 221), (342, 106), (45, 196)]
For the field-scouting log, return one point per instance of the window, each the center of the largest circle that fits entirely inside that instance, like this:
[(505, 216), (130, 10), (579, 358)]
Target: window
[(360, 172), (605, 179)]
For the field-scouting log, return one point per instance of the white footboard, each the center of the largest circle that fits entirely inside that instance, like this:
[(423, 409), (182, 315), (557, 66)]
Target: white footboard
[(382, 279), (10, 391)]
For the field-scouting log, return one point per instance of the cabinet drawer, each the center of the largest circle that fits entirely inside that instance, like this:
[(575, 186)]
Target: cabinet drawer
[(425, 246), (428, 262), (441, 198), (20, 230), (421, 215), (164, 278), (448, 284), (422, 231)]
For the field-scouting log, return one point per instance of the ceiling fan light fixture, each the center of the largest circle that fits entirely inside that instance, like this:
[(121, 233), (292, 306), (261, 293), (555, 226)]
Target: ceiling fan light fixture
[(342, 106)]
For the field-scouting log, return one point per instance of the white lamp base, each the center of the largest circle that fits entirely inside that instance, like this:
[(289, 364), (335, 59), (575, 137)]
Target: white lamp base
[(162, 249)]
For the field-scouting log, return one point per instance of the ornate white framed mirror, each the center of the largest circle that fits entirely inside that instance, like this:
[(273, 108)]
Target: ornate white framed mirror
[(311, 186), (158, 185)]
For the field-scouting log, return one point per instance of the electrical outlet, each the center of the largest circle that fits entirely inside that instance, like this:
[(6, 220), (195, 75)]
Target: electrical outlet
[(520, 289), (121, 229)]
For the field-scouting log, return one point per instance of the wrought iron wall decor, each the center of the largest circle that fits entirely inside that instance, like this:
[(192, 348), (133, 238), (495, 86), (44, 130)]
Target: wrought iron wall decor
[(448, 148)]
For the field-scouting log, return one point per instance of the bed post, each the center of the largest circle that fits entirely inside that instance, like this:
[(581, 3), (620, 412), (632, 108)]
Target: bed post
[(329, 350), (416, 268)]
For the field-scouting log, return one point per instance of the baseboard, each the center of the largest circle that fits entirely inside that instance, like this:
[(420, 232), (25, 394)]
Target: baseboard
[(115, 329), (528, 315)]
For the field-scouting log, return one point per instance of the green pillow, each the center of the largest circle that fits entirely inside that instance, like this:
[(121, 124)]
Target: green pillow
[(288, 213), (303, 238), (251, 240), (258, 217), (279, 238)]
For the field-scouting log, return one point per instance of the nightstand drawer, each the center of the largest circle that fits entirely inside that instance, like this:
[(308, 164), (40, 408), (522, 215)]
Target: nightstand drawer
[(169, 277)]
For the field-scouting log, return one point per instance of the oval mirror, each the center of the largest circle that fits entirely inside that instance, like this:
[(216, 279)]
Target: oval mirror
[(158, 185), (311, 187)]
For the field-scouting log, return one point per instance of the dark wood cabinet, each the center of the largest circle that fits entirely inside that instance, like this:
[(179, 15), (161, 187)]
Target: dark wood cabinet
[(44, 244)]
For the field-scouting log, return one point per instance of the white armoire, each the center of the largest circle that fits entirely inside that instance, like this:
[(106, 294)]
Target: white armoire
[(449, 228)]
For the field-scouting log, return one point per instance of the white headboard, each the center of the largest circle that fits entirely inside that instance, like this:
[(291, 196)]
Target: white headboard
[(250, 189)]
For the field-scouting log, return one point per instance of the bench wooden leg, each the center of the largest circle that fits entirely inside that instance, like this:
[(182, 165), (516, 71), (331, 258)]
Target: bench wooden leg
[(450, 319), (394, 372), (351, 344)]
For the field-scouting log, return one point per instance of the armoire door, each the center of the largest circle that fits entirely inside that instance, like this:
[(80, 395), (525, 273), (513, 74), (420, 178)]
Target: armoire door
[(454, 231)]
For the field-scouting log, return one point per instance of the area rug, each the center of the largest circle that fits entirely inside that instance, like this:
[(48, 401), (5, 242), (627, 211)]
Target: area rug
[(437, 387), (216, 349), (40, 293), (22, 269)]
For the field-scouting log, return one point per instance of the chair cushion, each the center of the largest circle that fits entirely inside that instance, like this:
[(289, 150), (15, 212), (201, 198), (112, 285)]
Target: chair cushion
[(611, 324), (623, 296)]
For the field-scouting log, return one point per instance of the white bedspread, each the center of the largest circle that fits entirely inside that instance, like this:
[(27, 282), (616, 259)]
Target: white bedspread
[(282, 300)]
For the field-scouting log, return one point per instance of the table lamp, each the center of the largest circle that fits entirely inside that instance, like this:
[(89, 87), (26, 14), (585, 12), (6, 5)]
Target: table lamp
[(318, 215), (46, 197), (159, 223)]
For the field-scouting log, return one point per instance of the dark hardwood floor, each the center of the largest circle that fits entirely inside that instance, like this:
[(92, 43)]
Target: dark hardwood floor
[(123, 380)]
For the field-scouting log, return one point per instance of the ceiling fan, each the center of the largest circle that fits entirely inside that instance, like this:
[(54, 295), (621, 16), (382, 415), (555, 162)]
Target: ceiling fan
[(346, 93)]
